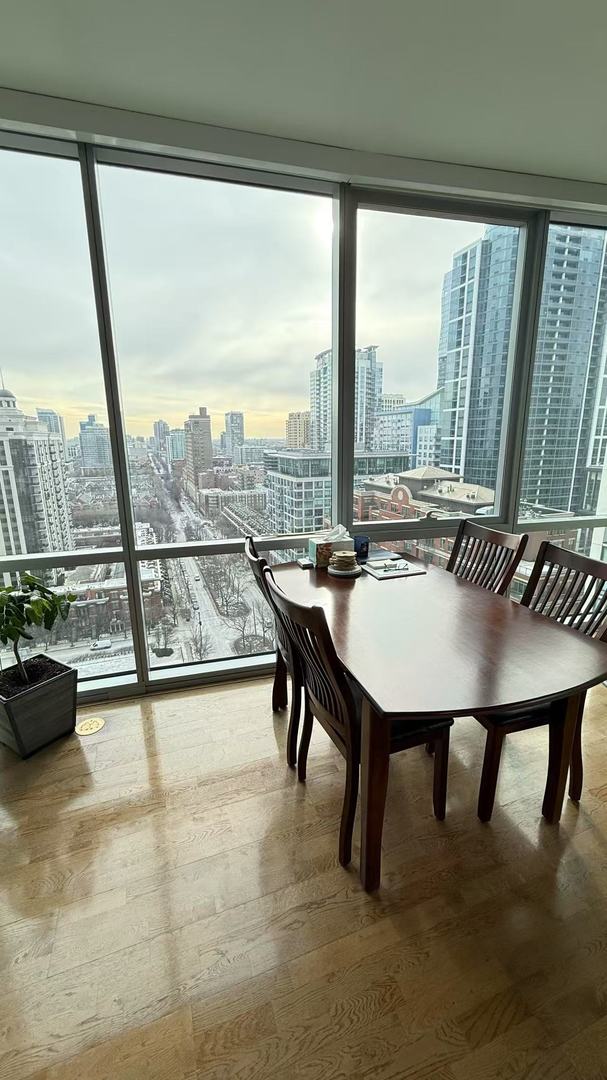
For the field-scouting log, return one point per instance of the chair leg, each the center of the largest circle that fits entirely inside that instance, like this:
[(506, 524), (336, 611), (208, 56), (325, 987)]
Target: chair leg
[(349, 810), (279, 690), (294, 720), (576, 774), (304, 745), (430, 748), (441, 766), (491, 765)]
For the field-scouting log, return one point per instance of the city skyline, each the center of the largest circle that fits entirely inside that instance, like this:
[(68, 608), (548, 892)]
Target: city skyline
[(461, 430)]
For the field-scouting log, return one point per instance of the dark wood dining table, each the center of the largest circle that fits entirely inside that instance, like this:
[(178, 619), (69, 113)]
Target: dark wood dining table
[(433, 645)]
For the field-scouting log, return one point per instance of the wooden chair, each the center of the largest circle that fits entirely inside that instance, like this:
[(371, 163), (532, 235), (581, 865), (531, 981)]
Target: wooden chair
[(335, 701), (572, 589), (486, 557), (287, 660)]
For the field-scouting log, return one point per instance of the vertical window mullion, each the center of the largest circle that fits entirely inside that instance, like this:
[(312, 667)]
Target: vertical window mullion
[(513, 447), (112, 391), (344, 315)]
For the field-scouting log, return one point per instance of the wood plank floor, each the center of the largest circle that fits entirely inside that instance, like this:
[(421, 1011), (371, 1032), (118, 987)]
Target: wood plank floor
[(171, 906)]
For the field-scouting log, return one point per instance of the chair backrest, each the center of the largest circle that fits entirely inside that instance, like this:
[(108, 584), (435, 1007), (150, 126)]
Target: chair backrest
[(257, 563), (486, 557), (570, 588), (329, 694)]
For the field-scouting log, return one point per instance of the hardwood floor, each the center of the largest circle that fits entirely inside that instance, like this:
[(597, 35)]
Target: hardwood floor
[(172, 908)]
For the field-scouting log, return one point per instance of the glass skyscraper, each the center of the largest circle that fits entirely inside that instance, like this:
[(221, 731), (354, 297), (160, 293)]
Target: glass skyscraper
[(474, 346), (566, 446), (563, 460)]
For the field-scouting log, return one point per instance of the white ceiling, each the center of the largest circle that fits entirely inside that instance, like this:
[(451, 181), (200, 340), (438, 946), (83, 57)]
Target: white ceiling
[(514, 84)]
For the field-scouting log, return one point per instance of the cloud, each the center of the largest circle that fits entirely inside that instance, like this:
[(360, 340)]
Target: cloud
[(221, 293)]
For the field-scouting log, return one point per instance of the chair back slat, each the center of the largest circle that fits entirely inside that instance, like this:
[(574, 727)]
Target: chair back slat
[(486, 557), (569, 588), (328, 690), (257, 564), (482, 571), (557, 595)]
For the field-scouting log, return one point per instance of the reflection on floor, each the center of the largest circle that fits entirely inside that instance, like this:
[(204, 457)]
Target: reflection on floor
[(172, 908)]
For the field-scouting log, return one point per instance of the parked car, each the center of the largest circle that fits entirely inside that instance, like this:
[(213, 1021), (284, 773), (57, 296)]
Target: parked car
[(104, 642)]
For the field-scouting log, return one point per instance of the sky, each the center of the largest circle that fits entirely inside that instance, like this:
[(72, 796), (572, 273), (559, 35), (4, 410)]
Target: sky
[(221, 294)]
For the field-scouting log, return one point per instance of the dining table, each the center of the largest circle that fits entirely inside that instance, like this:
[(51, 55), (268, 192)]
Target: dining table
[(433, 645)]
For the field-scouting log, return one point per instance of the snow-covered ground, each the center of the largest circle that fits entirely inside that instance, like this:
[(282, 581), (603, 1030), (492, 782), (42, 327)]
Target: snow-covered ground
[(187, 579)]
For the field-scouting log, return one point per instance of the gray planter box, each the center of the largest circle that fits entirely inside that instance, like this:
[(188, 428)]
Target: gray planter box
[(40, 713)]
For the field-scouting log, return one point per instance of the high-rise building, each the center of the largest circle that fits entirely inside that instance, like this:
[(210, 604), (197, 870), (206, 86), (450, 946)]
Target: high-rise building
[(198, 448), (368, 384), (72, 448), (95, 448), (175, 445), (398, 428), (321, 394), (234, 434), (252, 450), (297, 427), (161, 430), (566, 450), (391, 401), (54, 423), (299, 490), (474, 345), (34, 510), (299, 485), (565, 454), (427, 448)]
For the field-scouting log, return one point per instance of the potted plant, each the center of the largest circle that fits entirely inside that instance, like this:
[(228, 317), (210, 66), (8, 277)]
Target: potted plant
[(37, 695)]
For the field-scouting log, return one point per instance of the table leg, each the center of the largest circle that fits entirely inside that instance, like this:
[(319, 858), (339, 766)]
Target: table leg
[(576, 773), (562, 733), (375, 761)]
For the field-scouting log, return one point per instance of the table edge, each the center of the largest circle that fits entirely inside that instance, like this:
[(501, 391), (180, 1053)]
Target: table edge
[(511, 706)]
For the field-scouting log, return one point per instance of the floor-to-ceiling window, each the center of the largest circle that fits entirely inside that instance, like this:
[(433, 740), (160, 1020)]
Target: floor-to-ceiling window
[(221, 296), (192, 353), (219, 303), (564, 474), (437, 301), (57, 482)]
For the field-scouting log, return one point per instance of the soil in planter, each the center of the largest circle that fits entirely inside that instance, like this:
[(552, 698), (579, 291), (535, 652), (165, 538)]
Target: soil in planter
[(39, 669)]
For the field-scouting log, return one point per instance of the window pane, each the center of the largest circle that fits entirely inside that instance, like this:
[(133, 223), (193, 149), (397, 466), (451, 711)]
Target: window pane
[(205, 608), (436, 298), (221, 297), (566, 444), (96, 637), (57, 489)]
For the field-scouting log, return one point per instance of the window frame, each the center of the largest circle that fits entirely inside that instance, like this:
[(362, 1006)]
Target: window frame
[(591, 521), (533, 225), (533, 220)]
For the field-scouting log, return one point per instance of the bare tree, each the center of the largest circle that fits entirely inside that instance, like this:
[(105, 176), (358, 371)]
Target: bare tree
[(163, 634), (263, 621), (224, 576), (241, 621), (200, 642), (255, 625)]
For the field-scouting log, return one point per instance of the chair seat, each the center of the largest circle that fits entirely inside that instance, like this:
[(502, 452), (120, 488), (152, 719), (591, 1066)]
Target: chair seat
[(528, 716), (403, 728)]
